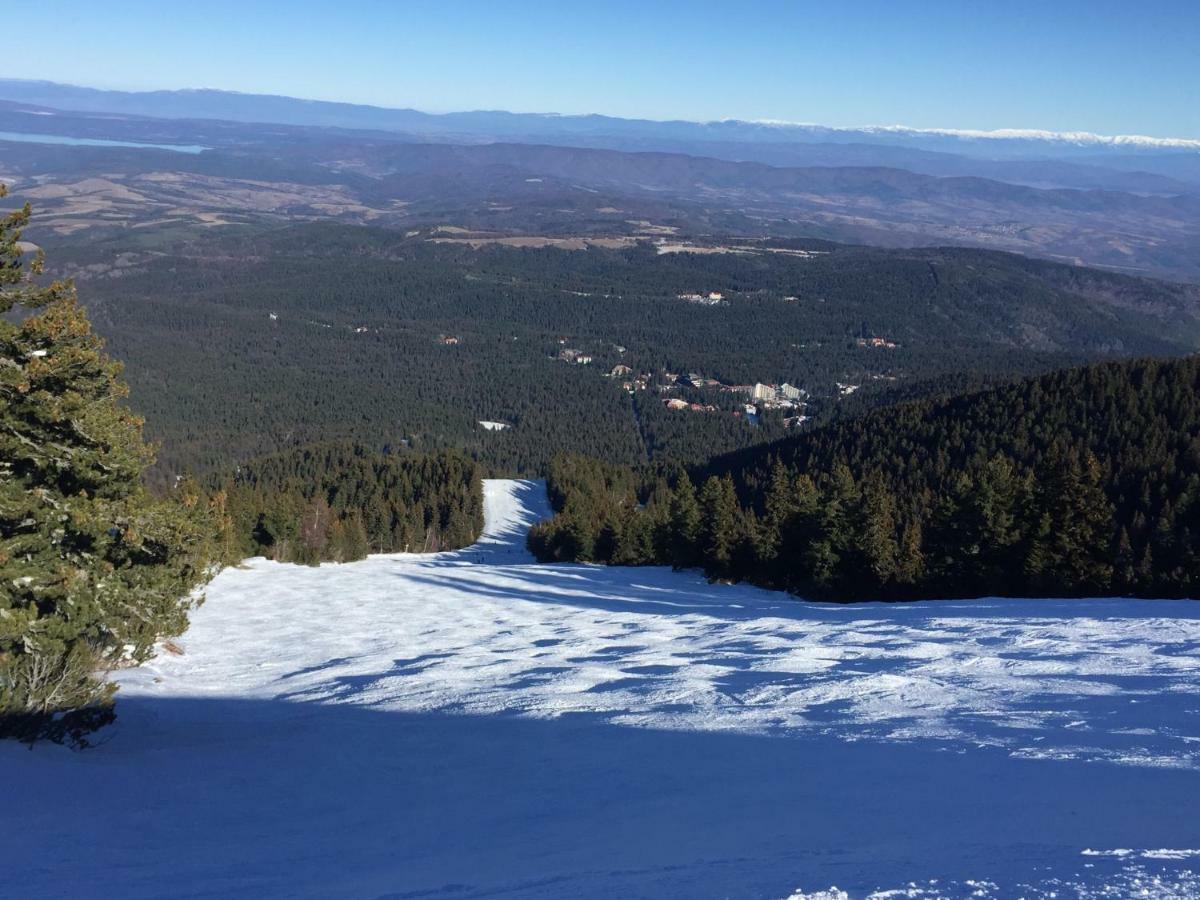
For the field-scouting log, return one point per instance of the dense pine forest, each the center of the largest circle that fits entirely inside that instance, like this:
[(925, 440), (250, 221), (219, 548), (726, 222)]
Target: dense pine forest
[(1081, 482), (340, 502), (243, 342)]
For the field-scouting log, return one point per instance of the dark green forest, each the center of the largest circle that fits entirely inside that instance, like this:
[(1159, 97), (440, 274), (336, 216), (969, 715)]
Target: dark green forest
[(340, 502), (249, 342), (1081, 482)]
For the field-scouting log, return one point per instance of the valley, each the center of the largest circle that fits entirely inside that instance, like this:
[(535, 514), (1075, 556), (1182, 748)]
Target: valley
[(274, 338), (600, 186)]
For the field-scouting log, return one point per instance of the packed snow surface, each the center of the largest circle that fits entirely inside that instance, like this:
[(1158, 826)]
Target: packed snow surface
[(474, 724)]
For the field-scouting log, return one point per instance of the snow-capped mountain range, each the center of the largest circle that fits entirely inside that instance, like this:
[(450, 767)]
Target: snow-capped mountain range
[(1075, 138)]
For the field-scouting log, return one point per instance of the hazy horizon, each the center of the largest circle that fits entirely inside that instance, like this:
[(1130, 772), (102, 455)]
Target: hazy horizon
[(1000, 132), (1072, 67)]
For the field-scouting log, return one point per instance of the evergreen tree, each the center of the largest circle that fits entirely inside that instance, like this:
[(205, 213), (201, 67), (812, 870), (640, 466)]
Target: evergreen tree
[(357, 545), (718, 525), (827, 559), (947, 547), (910, 560), (797, 534), (578, 537), (635, 542), (1124, 574), (337, 548), (94, 569), (993, 514), (877, 541), (682, 546), (780, 502), (1070, 546)]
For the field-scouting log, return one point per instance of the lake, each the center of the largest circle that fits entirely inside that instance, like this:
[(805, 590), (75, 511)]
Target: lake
[(24, 138)]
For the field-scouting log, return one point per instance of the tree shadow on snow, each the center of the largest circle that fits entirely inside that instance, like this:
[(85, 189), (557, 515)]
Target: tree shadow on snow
[(658, 590), (269, 798)]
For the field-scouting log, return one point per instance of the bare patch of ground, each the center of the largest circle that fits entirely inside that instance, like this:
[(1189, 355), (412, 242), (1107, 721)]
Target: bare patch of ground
[(664, 248), (644, 226), (537, 241), (66, 206)]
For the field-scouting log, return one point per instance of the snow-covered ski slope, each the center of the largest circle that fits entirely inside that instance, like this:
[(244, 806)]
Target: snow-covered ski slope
[(475, 724)]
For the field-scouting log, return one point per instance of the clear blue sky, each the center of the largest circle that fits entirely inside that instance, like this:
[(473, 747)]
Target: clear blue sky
[(1109, 66)]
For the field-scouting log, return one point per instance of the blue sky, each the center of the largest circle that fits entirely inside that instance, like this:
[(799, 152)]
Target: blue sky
[(1103, 66)]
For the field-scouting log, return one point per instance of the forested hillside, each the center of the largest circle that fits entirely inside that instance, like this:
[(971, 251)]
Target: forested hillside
[(339, 502), (1081, 482), (242, 343)]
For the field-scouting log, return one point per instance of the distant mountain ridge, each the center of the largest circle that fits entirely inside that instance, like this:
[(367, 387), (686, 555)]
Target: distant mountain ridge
[(1131, 208), (1007, 143)]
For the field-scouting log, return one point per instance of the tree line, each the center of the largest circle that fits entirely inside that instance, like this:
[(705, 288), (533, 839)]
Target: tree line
[(341, 501), (1082, 482)]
